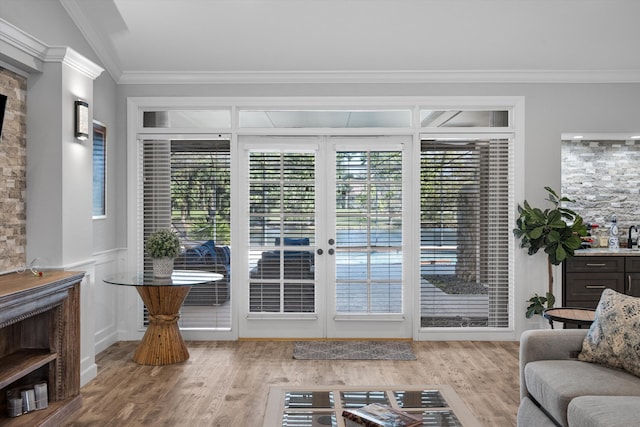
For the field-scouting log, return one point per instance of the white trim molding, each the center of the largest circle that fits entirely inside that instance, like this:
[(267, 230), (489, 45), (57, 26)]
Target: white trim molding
[(28, 54), (378, 77), (73, 59)]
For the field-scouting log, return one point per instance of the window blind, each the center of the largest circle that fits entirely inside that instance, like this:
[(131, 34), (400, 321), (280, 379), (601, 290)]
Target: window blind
[(186, 187), (99, 170), (369, 232), (466, 203), (281, 232)]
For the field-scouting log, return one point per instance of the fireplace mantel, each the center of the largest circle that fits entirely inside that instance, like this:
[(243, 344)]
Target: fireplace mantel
[(40, 340)]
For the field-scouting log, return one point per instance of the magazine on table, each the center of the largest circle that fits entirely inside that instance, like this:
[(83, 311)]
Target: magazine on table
[(377, 415)]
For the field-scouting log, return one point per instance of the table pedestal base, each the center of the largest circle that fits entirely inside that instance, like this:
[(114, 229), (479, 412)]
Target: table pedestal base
[(162, 343)]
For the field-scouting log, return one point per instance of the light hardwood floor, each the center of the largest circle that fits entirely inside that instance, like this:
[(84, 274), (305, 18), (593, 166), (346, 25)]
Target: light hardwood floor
[(227, 383)]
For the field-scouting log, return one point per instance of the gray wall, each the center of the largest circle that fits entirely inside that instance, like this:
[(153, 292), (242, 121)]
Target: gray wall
[(47, 21)]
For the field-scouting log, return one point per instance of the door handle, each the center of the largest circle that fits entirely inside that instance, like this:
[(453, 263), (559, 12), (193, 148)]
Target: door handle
[(629, 285), (319, 252), (331, 241), (331, 251), (594, 286)]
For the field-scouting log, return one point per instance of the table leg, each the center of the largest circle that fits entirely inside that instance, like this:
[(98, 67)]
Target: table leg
[(162, 343)]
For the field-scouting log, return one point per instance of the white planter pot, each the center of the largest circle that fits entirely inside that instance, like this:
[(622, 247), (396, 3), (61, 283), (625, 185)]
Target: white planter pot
[(162, 267)]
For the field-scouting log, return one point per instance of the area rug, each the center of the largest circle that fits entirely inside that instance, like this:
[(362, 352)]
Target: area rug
[(353, 350)]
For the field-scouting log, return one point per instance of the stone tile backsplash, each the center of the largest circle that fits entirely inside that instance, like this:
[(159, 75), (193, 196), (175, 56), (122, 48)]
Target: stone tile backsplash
[(603, 177)]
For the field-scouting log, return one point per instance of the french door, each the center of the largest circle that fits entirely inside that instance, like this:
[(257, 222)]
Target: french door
[(324, 237)]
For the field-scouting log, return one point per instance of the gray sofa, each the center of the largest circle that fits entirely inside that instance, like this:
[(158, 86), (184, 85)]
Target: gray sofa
[(556, 389)]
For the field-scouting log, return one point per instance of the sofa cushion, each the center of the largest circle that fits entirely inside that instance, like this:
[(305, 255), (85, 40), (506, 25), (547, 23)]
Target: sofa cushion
[(554, 383), (604, 411), (614, 337)]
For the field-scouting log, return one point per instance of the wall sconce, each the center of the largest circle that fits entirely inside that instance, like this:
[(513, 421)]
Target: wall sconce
[(82, 120)]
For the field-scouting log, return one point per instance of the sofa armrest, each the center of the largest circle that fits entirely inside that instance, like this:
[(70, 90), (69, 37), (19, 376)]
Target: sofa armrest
[(548, 344)]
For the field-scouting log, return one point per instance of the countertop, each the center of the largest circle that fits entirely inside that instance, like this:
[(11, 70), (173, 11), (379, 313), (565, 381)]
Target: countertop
[(607, 252)]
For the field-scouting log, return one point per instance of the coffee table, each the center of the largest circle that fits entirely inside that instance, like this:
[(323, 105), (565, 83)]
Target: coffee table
[(314, 406)]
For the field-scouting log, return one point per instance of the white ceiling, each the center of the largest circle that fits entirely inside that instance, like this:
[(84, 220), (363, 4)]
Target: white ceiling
[(151, 41)]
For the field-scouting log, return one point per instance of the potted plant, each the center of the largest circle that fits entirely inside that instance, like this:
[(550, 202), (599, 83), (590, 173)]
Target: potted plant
[(163, 246), (557, 231)]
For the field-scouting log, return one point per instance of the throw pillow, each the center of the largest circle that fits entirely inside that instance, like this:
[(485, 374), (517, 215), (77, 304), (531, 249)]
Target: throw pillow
[(614, 337)]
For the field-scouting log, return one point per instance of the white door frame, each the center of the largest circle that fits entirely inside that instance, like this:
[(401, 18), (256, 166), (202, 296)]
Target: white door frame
[(129, 325)]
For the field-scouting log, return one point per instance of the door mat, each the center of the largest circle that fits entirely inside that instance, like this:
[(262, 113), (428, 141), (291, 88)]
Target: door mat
[(353, 350)]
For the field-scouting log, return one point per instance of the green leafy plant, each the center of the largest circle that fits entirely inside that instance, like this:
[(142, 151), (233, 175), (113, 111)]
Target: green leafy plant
[(555, 230), (163, 243), (539, 303)]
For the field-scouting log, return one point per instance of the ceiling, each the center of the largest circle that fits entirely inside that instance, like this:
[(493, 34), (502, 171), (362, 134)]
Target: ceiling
[(302, 41)]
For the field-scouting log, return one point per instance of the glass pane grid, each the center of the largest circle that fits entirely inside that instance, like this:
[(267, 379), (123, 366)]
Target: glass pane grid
[(444, 418), (281, 232), (308, 399), (420, 399), (317, 408), (309, 419), (369, 231), (358, 399)]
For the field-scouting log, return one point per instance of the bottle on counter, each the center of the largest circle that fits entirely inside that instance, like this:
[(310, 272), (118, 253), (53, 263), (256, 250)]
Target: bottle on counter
[(604, 238), (595, 235), (614, 242)]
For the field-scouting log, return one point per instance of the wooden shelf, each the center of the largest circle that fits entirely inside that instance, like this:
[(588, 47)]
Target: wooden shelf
[(40, 340), (21, 363), (52, 416)]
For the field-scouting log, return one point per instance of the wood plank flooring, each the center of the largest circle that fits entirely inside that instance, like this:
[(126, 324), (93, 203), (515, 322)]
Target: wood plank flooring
[(226, 384)]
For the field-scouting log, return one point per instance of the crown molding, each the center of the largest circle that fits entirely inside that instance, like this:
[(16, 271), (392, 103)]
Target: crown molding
[(24, 52), (20, 49), (93, 37), (73, 59), (380, 77)]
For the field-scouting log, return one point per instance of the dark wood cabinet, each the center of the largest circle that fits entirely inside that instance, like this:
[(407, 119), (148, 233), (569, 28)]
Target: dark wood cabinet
[(632, 276), (40, 341), (585, 277)]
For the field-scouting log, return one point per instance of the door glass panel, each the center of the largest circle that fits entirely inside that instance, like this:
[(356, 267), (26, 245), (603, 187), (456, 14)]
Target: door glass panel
[(186, 187), (369, 231), (465, 215), (281, 232)]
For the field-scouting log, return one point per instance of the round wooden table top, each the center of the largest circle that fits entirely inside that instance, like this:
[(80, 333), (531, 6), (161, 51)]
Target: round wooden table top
[(578, 316)]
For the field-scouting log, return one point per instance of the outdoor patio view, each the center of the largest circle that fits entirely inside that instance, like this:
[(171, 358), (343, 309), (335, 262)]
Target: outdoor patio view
[(464, 233), (464, 192)]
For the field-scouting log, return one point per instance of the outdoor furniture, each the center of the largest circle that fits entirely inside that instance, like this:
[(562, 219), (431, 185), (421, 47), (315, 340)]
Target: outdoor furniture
[(296, 264), (207, 257)]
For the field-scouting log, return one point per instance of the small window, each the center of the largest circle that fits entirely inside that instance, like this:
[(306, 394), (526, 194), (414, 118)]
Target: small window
[(187, 119), (99, 170), (283, 119), (463, 119)]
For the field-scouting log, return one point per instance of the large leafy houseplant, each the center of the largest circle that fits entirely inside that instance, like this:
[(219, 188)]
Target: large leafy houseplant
[(555, 230)]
